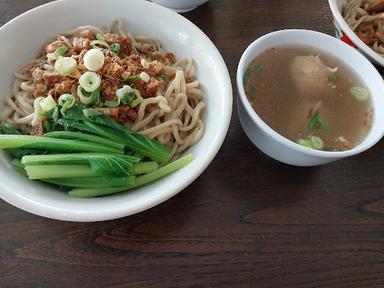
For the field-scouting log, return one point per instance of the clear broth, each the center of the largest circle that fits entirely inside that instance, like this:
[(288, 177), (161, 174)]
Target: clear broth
[(286, 92)]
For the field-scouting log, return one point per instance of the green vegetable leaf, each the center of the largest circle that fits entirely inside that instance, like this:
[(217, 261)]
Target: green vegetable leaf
[(76, 112), (18, 153), (110, 166)]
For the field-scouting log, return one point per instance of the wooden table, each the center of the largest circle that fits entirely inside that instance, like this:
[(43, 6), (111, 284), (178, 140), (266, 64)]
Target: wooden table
[(248, 221)]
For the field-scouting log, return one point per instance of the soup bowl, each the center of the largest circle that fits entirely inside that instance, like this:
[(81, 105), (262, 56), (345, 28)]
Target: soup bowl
[(279, 147), (23, 38)]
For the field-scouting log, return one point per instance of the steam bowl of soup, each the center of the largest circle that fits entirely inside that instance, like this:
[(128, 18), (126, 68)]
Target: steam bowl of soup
[(307, 99)]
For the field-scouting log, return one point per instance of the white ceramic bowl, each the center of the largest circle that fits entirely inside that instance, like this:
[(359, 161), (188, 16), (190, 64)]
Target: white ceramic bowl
[(22, 39), (345, 33), (279, 147), (180, 5)]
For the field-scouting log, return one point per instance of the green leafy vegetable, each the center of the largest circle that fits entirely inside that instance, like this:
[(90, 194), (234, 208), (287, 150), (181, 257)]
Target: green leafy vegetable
[(84, 137), (53, 144), (93, 182), (36, 172), (140, 181), (7, 129)]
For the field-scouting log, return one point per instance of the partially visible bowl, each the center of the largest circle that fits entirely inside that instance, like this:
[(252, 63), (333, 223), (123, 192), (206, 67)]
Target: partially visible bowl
[(22, 39), (279, 147), (345, 33), (180, 6)]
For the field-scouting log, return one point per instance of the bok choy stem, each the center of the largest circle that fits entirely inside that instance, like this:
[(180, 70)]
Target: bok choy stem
[(140, 181), (92, 182), (84, 137), (53, 144)]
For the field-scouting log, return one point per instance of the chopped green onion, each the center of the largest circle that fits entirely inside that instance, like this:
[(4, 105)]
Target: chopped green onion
[(332, 78), (165, 77), (65, 66), (317, 143), (360, 93), (128, 98), (94, 59), (121, 92), (90, 81), (115, 47), (316, 122), (252, 94), (91, 112), (305, 142), (60, 51), (133, 78), (100, 36), (138, 99), (66, 101), (88, 98), (55, 114), (247, 74), (112, 103), (99, 42), (258, 69), (48, 103), (144, 63), (145, 77)]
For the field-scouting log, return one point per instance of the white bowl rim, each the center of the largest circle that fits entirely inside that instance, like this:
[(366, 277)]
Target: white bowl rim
[(352, 35), (276, 136), (43, 210)]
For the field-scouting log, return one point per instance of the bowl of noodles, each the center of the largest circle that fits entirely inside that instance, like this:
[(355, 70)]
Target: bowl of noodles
[(94, 104), (360, 23)]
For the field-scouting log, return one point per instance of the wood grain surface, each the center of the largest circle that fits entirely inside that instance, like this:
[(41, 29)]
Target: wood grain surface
[(248, 221)]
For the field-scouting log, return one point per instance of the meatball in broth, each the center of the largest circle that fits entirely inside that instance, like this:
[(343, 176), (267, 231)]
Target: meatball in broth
[(309, 97)]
